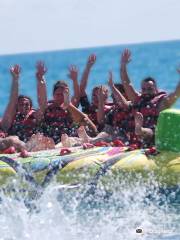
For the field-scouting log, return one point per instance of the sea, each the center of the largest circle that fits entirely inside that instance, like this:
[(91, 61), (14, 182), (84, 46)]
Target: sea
[(136, 211)]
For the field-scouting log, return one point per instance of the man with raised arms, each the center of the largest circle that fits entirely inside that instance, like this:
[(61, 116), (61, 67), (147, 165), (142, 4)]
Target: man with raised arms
[(146, 104)]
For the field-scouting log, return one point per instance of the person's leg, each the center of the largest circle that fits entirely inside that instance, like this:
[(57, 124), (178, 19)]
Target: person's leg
[(103, 136), (70, 141), (140, 131), (83, 135), (39, 142), (12, 141)]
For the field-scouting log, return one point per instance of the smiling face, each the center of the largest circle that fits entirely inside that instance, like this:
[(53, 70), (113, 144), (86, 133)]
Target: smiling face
[(95, 93), (58, 95), (58, 91), (149, 88), (24, 105)]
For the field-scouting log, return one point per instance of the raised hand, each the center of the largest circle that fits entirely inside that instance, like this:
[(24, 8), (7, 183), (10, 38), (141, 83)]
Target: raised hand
[(73, 72), (126, 56), (41, 70), (15, 71), (91, 60), (110, 80), (66, 102), (101, 94)]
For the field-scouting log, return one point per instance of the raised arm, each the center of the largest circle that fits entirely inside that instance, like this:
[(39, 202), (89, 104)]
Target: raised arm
[(121, 100), (73, 75), (130, 91), (12, 105), (85, 75), (101, 104), (77, 115), (41, 85), (168, 101), (81, 118)]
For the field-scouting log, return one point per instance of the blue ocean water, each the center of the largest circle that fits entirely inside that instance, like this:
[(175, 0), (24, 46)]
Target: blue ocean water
[(158, 60), (129, 207)]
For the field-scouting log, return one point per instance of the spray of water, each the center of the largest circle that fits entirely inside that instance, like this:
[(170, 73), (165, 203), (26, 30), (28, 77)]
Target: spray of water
[(118, 210)]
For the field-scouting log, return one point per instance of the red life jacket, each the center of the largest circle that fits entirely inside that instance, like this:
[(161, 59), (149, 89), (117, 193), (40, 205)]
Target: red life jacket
[(120, 117), (24, 126), (122, 122), (57, 121), (149, 109), (91, 110), (92, 114), (150, 112)]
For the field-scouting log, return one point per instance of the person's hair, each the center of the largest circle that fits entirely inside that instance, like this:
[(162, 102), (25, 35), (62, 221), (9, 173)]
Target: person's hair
[(105, 88), (26, 97), (120, 87), (149, 79), (58, 84), (98, 87)]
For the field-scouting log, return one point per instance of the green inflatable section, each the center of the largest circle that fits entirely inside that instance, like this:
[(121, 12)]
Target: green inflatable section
[(168, 130)]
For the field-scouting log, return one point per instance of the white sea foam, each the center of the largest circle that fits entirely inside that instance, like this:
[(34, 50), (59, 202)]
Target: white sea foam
[(63, 213)]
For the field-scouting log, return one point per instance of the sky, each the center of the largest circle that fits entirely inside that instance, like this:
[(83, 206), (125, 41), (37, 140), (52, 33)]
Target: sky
[(43, 25)]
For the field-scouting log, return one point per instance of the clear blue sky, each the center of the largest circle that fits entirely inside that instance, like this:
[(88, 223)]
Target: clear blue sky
[(37, 25)]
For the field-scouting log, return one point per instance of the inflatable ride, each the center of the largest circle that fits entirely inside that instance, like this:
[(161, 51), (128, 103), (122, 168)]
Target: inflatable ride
[(79, 165)]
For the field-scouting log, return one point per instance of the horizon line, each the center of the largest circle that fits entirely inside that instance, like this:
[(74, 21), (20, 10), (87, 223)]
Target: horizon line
[(88, 47)]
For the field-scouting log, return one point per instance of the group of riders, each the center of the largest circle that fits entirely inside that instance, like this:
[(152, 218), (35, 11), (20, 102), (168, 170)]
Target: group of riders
[(128, 120)]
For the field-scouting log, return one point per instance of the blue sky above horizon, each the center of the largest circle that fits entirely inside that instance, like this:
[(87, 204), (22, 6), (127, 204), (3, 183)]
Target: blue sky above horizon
[(29, 26)]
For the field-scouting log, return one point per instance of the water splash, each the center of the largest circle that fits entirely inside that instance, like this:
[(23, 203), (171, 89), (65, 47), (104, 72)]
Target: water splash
[(115, 211)]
